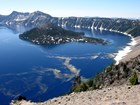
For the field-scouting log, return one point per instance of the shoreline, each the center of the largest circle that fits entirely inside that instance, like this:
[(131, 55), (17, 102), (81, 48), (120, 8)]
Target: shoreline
[(121, 54), (135, 51)]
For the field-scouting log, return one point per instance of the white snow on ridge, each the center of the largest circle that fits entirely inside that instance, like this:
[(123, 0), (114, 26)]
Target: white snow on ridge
[(21, 18)]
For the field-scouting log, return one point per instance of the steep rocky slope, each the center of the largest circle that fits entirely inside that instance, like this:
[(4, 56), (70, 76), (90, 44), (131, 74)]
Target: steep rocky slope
[(31, 20), (113, 75), (120, 95), (28, 20)]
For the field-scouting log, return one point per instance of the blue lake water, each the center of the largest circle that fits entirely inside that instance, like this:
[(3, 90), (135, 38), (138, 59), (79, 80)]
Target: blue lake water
[(43, 72)]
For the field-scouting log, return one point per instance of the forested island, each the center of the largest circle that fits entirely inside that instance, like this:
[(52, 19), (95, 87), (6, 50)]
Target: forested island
[(51, 34)]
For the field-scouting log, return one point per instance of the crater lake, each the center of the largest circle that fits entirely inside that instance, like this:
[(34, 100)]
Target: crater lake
[(41, 72)]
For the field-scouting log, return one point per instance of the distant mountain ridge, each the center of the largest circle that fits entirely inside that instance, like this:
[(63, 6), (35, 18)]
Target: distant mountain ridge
[(31, 20), (25, 19)]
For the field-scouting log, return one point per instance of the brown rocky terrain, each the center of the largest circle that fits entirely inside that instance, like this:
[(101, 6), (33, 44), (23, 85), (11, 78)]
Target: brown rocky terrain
[(119, 95)]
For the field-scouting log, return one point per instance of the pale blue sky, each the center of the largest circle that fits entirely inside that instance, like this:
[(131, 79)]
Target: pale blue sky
[(101, 8)]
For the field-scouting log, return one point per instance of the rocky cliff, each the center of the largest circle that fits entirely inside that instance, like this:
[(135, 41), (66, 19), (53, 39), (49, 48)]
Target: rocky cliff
[(31, 20), (125, 73)]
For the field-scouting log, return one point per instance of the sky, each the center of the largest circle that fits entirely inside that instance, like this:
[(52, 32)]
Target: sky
[(81, 8)]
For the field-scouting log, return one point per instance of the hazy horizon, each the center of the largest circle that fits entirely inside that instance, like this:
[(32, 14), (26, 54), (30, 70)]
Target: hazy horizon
[(78, 8), (73, 16)]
